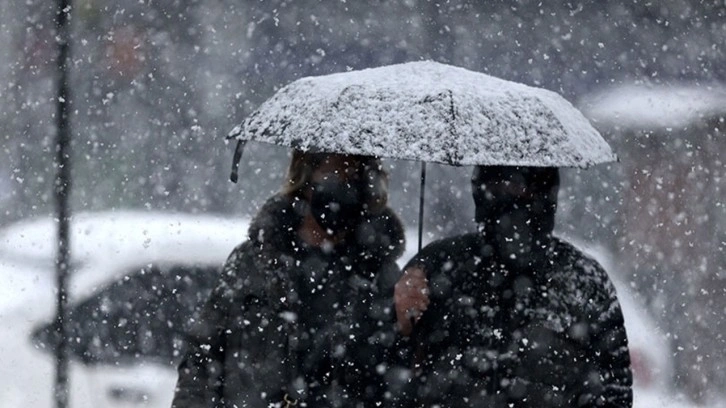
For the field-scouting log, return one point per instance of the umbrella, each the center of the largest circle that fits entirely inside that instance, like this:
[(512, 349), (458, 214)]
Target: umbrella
[(140, 316), (425, 111)]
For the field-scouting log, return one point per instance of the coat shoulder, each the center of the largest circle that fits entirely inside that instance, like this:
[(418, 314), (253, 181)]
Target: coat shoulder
[(579, 273), (382, 235), (582, 263), (447, 249), (240, 275)]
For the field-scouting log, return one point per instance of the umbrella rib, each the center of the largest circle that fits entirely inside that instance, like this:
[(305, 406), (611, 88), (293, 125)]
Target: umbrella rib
[(452, 110), (453, 156)]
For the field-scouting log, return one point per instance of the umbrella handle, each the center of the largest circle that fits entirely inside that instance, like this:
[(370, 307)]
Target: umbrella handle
[(421, 204)]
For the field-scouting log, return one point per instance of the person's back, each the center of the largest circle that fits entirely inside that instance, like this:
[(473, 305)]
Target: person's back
[(516, 316), (552, 337)]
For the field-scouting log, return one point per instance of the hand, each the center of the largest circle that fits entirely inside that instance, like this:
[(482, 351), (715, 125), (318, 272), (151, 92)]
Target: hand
[(411, 298)]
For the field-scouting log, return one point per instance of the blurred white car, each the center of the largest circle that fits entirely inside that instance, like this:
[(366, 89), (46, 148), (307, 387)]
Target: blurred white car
[(106, 248)]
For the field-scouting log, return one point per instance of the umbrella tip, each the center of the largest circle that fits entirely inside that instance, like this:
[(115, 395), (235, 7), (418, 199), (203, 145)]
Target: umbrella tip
[(238, 150), (236, 131)]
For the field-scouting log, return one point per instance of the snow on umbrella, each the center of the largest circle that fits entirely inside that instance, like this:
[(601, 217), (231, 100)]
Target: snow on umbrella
[(140, 316), (431, 112), (426, 111)]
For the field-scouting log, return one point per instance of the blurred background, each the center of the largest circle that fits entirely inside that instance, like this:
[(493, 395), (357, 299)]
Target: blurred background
[(156, 86)]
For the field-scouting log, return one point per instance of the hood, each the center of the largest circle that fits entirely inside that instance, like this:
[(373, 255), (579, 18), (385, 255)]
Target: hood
[(515, 210), (502, 191)]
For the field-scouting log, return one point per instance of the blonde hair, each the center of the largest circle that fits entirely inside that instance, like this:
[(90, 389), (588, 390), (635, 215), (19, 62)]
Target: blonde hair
[(369, 169)]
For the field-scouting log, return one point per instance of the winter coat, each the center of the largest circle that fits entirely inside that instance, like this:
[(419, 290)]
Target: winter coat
[(549, 336), (287, 318)]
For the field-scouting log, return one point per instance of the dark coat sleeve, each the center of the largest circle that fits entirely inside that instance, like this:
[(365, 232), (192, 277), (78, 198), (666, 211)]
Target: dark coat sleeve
[(610, 346), (201, 372), (611, 386)]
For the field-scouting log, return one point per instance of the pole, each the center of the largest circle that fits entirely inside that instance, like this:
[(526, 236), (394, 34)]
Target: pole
[(62, 188)]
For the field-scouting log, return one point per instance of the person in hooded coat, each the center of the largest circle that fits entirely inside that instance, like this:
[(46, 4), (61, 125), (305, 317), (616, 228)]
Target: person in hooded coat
[(302, 314), (511, 316)]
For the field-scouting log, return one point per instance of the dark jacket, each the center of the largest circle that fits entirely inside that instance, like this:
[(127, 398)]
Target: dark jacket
[(287, 318), (551, 335)]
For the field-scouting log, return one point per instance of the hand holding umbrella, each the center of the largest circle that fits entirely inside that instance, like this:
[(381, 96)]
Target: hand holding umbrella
[(411, 298)]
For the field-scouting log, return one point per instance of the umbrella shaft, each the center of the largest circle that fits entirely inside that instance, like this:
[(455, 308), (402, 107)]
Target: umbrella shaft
[(421, 204)]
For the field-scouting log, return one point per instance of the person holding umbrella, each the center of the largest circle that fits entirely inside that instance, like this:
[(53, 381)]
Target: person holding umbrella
[(511, 315), (302, 312)]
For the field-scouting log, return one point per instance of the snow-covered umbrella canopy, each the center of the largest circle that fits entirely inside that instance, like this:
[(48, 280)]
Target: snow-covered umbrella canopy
[(425, 111), (431, 112)]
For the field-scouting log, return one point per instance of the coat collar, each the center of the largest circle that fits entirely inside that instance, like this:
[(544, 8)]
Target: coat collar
[(379, 237)]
